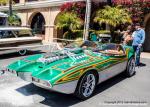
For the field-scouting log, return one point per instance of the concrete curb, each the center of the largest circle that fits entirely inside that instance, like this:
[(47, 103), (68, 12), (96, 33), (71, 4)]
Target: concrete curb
[(145, 55)]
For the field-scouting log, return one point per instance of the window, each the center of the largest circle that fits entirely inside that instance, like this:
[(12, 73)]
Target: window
[(30, 0), (6, 34), (16, 1)]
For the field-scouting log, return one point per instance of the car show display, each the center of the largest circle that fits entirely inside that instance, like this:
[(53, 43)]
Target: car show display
[(76, 69)]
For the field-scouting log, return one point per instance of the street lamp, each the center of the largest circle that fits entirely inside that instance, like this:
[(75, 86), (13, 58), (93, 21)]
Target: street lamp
[(87, 20), (10, 7)]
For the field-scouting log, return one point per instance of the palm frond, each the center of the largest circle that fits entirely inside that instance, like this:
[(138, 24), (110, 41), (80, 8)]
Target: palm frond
[(113, 16), (69, 20)]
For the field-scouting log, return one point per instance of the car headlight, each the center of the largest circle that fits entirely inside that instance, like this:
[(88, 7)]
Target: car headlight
[(42, 82)]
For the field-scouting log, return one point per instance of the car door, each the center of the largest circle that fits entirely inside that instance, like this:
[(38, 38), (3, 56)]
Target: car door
[(116, 64), (7, 41), (26, 38)]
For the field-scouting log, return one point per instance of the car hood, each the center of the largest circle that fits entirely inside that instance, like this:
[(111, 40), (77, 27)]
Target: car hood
[(54, 70)]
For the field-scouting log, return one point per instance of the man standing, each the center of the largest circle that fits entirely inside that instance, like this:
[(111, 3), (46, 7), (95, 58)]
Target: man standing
[(138, 40)]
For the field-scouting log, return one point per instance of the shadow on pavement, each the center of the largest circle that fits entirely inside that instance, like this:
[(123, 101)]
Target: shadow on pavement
[(55, 99), (142, 65), (109, 83), (16, 54)]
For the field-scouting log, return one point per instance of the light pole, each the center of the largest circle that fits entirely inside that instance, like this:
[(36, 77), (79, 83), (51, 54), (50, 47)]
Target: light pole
[(10, 7), (87, 20)]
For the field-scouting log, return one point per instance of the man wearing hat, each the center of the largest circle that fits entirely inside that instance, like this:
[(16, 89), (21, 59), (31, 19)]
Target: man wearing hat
[(138, 40)]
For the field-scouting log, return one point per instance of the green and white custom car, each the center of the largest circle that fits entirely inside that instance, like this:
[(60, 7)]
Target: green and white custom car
[(76, 69)]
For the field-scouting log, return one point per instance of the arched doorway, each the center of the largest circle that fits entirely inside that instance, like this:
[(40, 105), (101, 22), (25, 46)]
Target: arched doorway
[(147, 40), (38, 24), (58, 32)]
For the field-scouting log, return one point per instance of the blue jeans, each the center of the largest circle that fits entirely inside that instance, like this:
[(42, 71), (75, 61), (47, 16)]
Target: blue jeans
[(137, 51)]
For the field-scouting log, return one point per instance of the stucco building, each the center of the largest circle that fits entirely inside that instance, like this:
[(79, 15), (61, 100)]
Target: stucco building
[(39, 15)]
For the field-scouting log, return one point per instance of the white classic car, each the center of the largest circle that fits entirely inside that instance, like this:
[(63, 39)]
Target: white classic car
[(17, 39)]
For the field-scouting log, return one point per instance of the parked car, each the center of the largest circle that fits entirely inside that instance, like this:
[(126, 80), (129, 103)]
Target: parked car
[(76, 69), (104, 38), (13, 39)]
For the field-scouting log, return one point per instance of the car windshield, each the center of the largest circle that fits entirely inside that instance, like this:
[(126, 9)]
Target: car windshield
[(59, 52), (112, 49), (105, 49), (77, 47), (74, 49), (6, 34), (15, 33)]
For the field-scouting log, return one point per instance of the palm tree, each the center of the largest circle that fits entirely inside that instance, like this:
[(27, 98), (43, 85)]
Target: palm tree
[(87, 19), (69, 21), (113, 16)]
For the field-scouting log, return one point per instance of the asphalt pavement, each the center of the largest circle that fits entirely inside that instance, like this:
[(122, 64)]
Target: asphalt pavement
[(116, 92)]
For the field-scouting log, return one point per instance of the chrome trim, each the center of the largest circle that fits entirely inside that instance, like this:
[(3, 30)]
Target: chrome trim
[(112, 71), (9, 70), (67, 88), (42, 82), (25, 76), (7, 51)]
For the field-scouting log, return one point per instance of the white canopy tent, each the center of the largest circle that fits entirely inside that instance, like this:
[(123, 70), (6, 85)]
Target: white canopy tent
[(3, 14)]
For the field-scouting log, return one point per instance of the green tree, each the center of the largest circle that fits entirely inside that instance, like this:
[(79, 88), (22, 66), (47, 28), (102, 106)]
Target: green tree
[(14, 20), (3, 2), (113, 16), (69, 21)]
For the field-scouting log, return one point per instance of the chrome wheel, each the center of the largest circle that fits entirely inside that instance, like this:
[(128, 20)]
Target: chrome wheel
[(130, 71), (88, 85), (132, 67), (22, 52)]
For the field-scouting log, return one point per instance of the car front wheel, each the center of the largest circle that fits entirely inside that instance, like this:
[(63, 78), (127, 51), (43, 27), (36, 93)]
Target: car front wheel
[(86, 86), (130, 71)]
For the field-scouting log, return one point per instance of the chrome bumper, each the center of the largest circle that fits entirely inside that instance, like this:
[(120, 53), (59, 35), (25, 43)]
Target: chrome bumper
[(25, 76), (67, 88)]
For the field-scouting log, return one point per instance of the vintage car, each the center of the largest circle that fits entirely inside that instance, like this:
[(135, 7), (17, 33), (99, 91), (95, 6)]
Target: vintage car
[(17, 39), (76, 69)]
